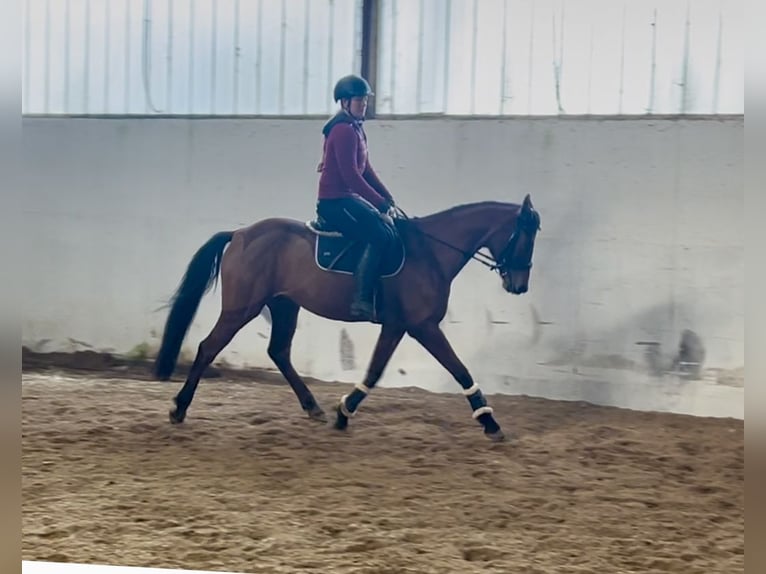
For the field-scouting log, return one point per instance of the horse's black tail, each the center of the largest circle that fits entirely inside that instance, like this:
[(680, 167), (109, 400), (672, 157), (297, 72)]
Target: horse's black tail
[(200, 276)]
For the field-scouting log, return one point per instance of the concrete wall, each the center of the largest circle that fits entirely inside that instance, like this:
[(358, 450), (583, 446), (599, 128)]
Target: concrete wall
[(642, 237)]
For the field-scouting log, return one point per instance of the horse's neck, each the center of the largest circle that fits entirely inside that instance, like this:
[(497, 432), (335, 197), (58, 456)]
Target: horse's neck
[(465, 230)]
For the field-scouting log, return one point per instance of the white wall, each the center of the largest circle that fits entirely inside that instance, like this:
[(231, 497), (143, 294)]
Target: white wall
[(641, 238)]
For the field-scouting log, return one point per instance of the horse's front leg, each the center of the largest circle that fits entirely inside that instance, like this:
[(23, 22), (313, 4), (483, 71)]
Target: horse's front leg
[(436, 343), (388, 340)]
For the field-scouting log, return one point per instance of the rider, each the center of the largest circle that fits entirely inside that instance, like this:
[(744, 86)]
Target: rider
[(351, 197)]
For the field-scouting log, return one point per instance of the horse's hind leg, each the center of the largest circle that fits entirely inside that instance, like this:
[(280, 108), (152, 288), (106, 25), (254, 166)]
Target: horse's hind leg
[(228, 324), (284, 321)]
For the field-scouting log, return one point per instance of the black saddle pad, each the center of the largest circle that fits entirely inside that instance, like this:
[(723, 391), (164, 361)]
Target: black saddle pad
[(339, 254)]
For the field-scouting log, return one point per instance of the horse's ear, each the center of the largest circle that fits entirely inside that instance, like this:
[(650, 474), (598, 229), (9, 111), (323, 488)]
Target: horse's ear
[(527, 205)]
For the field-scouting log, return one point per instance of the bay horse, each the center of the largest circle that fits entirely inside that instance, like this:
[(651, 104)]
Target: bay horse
[(277, 262)]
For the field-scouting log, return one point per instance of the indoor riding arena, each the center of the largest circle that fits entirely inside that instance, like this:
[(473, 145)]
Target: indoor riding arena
[(553, 380)]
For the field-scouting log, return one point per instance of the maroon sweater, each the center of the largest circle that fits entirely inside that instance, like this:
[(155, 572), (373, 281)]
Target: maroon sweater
[(345, 168)]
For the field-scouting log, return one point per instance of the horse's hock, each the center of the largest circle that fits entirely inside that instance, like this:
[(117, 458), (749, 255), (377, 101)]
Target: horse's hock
[(248, 484)]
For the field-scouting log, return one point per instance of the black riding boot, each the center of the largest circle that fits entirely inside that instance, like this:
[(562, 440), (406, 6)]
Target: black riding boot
[(366, 277)]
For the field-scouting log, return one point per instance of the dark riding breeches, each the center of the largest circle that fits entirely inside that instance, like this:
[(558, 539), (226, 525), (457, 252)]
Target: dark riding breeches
[(358, 220)]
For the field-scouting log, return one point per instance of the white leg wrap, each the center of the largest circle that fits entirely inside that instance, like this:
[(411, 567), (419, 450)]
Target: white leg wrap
[(362, 387), (481, 411), (343, 408), (471, 390)]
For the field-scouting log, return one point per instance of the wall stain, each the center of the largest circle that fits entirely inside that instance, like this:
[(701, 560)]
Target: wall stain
[(347, 359)]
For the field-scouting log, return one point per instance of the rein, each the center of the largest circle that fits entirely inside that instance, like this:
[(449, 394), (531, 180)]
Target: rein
[(488, 261)]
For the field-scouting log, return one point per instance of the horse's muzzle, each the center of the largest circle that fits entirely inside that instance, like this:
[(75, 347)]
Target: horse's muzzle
[(517, 289)]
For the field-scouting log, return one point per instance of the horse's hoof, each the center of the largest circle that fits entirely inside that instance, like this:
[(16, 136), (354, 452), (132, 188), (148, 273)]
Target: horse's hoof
[(317, 414), (341, 420), (497, 436), (176, 418)]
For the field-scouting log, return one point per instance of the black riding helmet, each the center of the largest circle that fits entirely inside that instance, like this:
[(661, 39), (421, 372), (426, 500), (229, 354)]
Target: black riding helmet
[(351, 86)]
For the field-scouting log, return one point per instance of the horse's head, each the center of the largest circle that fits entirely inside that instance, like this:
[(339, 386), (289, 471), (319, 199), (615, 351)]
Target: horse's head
[(514, 254)]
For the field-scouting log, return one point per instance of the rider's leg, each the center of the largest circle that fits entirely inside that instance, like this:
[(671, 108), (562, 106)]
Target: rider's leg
[(367, 273), (357, 219), (379, 238)]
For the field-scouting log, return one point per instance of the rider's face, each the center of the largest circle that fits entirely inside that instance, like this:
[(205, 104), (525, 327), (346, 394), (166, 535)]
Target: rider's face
[(357, 107)]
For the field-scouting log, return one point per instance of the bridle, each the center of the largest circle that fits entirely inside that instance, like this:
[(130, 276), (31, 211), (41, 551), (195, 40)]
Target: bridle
[(505, 263), (525, 222)]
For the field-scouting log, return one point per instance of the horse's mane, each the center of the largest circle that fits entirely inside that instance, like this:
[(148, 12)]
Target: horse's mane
[(462, 208)]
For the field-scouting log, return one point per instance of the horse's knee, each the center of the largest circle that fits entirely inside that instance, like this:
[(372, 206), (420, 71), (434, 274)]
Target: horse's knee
[(278, 354)]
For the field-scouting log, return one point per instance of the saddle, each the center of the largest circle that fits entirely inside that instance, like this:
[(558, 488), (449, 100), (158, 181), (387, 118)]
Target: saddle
[(336, 253)]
